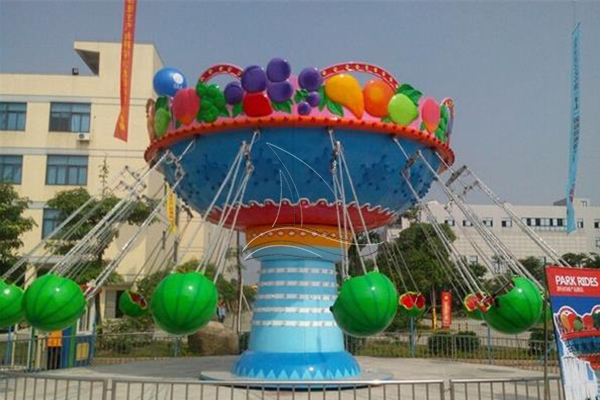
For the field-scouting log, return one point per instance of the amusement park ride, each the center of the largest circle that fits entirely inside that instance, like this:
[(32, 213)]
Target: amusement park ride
[(302, 165)]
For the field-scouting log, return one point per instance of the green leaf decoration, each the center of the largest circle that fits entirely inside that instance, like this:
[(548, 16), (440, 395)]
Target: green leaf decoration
[(285, 106), (223, 112), (335, 108), (413, 94), (237, 109), (300, 95), (162, 102), (404, 88), (422, 127), (177, 124), (386, 119), (324, 98)]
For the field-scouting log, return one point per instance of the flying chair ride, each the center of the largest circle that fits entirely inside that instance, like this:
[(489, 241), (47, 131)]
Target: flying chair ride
[(302, 164)]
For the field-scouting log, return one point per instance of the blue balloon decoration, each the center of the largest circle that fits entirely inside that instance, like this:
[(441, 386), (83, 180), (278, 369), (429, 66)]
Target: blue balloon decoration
[(168, 81)]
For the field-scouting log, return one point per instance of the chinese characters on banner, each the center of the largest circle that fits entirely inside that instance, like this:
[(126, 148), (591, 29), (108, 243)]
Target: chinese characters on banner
[(575, 126), (446, 310), (126, 64), (575, 301), (172, 210)]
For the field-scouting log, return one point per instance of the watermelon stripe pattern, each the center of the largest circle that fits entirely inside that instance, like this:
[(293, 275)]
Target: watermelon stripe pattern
[(11, 304), (52, 303), (130, 307), (366, 304), (184, 302), (517, 310)]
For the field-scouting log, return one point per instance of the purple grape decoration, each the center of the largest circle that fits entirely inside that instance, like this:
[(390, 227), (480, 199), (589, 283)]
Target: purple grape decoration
[(254, 79), (314, 99), (233, 93), (280, 91), (310, 79), (278, 70), (304, 108)]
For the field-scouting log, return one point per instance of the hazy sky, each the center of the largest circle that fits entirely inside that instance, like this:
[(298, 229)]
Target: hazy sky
[(506, 64)]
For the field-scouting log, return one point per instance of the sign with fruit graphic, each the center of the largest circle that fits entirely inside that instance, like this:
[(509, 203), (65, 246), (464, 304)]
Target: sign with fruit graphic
[(575, 299)]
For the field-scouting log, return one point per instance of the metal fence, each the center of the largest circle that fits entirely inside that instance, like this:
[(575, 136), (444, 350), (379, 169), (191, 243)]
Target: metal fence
[(20, 386), (42, 353)]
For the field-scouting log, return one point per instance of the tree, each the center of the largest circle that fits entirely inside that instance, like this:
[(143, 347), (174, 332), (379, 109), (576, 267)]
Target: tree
[(13, 225), (66, 202), (576, 259), (593, 261), (535, 267)]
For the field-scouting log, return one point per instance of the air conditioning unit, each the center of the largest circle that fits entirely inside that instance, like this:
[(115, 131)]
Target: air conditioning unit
[(83, 137)]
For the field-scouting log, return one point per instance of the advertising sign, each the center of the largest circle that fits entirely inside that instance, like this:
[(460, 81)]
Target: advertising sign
[(446, 310), (126, 65), (575, 300), (575, 126)]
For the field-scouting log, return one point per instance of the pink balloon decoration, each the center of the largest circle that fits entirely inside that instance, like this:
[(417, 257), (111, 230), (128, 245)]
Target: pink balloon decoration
[(430, 114), (186, 105)]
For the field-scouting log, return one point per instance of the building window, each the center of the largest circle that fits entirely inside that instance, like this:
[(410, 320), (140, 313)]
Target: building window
[(66, 170), (11, 168), (69, 117), (597, 224), (489, 222), (50, 221), (580, 223), (467, 222), (473, 260), (507, 223), (449, 221), (597, 242), (12, 116), (584, 203)]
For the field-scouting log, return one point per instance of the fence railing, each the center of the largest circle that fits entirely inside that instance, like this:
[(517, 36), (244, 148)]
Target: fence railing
[(21, 386), (42, 353), (503, 389)]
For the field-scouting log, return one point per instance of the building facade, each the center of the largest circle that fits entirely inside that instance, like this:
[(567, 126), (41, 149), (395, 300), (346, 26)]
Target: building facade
[(56, 133), (549, 222)]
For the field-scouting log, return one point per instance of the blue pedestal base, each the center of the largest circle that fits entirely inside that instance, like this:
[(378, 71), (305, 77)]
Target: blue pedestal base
[(296, 366)]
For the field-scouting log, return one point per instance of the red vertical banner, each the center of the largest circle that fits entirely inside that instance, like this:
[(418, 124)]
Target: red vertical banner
[(446, 310), (127, 42)]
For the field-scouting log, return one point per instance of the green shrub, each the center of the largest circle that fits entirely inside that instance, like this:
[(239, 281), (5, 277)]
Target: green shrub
[(466, 341), (440, 343)]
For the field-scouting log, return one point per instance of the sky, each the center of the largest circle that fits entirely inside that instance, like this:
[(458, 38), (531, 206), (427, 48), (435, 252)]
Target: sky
[(505, 64)]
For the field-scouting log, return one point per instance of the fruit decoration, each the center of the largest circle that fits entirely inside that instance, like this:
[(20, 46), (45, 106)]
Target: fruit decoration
[(132, 304), (162, 119), (304, 108), (377, 95), (254, 79), (518, 310), (366, 304), (212, 103), (186, 104), (310, 79), (430, 114), (412, 304), (278, 70), (233, 93), (184, 302), (257, 105), (167, 81), (11, 304), (52, 303), (260, 92), (476, 305), (345, 90)]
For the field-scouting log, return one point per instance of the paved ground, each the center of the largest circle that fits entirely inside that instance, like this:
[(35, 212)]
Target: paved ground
[(148, 380)]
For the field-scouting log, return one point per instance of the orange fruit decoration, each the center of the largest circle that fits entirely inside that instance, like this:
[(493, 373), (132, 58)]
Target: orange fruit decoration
[(377, 95), (345, 90)]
